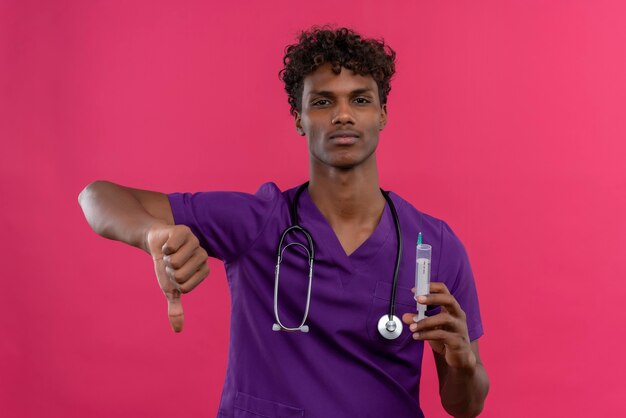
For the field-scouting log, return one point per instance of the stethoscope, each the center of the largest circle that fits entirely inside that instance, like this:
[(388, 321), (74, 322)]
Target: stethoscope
[(389, 325)]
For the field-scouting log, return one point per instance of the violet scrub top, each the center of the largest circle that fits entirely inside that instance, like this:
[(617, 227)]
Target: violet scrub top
[(342, 367)]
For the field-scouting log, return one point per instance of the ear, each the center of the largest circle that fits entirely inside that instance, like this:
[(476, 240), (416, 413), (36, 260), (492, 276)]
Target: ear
[(383, 117), (298, 120)]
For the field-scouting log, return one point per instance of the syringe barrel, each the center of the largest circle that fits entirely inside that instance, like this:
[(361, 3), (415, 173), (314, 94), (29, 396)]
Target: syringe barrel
[(422, 272)]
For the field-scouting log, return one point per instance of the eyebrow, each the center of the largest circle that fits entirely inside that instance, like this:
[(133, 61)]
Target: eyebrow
[(326, 93)]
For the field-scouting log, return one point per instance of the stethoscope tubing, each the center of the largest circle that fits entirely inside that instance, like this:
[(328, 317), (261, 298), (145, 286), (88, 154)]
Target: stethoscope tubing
[(310, 255), (396, 271), (392, 328)]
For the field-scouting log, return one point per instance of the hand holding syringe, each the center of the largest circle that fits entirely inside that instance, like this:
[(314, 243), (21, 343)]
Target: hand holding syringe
[(446, 331), (422, 274)]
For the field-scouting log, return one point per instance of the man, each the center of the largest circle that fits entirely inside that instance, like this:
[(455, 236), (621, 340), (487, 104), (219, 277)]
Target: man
[(338, 364)]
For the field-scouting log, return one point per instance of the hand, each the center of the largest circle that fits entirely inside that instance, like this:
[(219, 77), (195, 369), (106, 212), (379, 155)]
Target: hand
[(180, 265), (446, 332)]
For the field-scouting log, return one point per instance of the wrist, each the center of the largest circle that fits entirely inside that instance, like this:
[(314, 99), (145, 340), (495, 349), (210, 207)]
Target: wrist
[(466, 363), (150, 228)]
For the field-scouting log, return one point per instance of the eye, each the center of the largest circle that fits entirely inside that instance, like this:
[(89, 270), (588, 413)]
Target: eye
[(320, 102), (362, 100)]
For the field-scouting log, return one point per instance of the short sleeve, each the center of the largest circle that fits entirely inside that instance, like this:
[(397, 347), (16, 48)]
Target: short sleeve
[(226, 223), (455, 267)]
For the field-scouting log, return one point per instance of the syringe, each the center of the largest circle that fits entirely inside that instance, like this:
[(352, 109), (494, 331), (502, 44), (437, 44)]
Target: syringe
[(422, 274)]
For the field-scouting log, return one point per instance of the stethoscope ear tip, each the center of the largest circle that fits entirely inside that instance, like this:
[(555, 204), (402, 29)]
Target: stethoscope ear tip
[(304, 328), (275, 327)]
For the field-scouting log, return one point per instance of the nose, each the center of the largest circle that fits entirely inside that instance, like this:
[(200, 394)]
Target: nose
[(343, 113)]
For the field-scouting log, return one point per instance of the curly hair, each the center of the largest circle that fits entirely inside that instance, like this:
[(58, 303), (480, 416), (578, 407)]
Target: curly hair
[(340, 47)]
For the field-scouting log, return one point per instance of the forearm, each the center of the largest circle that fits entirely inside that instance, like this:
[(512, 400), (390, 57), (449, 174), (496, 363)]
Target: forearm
[(114, 212), (463, 391)]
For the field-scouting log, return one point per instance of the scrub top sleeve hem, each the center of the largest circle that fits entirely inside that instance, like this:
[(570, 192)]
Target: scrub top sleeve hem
[(176, 203), (184, 217), (440, 256), (462, 284), (475, 332)]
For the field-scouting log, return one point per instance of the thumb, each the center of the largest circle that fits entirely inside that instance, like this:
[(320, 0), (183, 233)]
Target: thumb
[(175, 310), (171, 289)]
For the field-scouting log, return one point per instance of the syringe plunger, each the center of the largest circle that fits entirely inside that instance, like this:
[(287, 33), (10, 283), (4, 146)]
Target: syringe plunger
[(422, 275)]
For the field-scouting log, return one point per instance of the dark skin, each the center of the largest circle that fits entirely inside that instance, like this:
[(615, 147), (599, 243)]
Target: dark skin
[(341, 116), (144, 219), (463, 381)]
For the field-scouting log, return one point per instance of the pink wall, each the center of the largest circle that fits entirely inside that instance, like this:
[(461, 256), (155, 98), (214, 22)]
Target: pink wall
[(506, 119)]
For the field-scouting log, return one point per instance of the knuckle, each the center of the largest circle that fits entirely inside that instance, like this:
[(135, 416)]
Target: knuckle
[(462, 314), (178, 232), (440, 288), (185, 231), (175, 262), (199, 253), (201, 263), (179, 276), (194, 240), (181, 229), (188, 287), (196, 255), (200, 274)]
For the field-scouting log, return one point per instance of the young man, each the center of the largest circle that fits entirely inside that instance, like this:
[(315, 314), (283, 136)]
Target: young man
[(338, 362)]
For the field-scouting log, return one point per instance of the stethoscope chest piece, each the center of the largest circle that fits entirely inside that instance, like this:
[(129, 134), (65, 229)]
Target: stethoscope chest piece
[(390, 329), (389, 325)]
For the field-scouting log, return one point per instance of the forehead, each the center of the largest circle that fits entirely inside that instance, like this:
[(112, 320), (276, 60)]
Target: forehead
[(324, 79)]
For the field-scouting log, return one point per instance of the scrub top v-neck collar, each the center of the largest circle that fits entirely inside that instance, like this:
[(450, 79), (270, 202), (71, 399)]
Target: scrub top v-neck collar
[(312, 219)]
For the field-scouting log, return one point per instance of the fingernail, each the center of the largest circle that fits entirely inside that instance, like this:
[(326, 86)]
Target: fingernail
[(416, 318), (421, 299), (413, 327), (416, 336)]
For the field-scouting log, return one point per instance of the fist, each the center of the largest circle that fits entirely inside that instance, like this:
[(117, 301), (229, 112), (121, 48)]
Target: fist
[(180, 265)]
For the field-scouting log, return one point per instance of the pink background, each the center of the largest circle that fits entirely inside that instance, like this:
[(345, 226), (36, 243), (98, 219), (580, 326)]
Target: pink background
[(506, 119)]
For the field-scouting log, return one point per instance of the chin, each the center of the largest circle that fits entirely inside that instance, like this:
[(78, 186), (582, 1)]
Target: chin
[(349, 161), (345, 163), (342, 159)]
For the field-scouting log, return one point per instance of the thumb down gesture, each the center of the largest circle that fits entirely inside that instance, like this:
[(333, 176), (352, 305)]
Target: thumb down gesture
[(180, 265)]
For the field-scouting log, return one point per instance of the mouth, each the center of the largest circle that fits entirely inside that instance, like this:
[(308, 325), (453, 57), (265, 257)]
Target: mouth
[(343, 137)]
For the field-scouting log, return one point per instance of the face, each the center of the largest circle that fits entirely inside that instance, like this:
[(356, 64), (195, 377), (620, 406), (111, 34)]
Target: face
[(341, 117)]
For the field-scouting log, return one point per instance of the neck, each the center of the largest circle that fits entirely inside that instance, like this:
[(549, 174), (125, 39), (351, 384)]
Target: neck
[(347, 195)]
